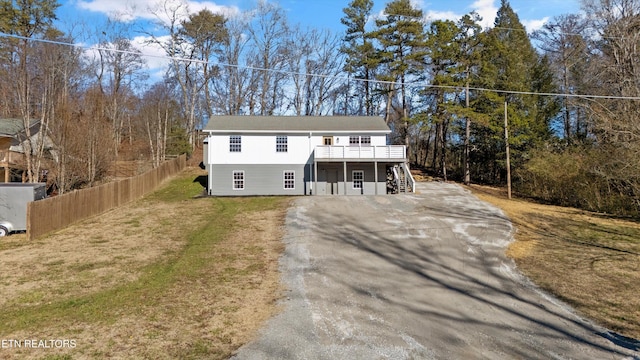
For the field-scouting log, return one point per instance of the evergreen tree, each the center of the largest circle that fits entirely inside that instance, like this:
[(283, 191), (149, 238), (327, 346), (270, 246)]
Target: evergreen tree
[(443, 53), (453, 59), (468, 66), (511, 65), (359, 47), (402, 39)]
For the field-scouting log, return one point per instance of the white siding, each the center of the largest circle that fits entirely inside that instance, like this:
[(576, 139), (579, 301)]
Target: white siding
[(343, 140), (261, 149)]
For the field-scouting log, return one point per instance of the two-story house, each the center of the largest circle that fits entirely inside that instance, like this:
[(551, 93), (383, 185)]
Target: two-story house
[(12, 135), (303, 155)]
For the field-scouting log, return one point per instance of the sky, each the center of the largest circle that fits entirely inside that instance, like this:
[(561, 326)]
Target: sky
[(320, 14), (327, 13)]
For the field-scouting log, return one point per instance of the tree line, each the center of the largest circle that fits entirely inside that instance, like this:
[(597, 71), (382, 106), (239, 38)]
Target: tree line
[(571, 89)]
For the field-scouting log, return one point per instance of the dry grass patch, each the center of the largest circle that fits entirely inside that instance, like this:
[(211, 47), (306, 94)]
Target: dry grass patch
[(168, 277), (591, 261)]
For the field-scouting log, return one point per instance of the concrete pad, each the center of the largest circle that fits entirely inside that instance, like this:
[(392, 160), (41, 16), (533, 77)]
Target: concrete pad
[(419, 276)]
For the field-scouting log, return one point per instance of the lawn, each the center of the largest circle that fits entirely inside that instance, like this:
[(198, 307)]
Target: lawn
[(171, 276), (589, 260), (178, 276)]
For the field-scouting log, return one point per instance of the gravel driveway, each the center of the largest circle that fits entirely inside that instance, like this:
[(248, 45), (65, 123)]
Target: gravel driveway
[(415, 277)]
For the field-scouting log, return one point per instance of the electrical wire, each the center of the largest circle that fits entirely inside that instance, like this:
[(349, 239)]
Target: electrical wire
[(337, 77)]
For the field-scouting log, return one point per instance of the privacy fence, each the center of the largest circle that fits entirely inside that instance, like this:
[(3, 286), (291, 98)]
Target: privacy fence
[(57, 212)]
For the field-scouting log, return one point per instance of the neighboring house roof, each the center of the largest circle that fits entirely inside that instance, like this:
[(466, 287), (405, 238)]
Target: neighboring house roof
[(12, 127), (35, 139), (296, 124)]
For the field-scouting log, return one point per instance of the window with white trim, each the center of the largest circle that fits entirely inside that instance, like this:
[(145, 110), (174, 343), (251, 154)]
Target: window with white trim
[(238, 180), (282, 144), (358, 179), (235, 143), (289, 180), (360, 140)]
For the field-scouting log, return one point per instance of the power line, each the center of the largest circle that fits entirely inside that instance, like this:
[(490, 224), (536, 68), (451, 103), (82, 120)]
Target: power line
[(338, 77)]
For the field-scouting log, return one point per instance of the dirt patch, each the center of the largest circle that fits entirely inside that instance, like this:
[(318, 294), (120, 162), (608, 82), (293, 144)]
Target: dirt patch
[(207, 314)]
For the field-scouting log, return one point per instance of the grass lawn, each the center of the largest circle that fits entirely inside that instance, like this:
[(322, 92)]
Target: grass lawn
[(170, 276), (591, 261)]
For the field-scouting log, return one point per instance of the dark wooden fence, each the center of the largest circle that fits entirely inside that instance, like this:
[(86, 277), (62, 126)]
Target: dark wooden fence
[(58, 212)]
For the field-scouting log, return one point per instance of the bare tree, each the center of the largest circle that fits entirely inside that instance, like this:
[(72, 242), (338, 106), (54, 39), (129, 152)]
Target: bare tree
[(158, 112), (315, 67), (205, 32), (27, 19), (183, 67), (117, 66), (231, 86), (566, 46), (615, 70), (268, 32)]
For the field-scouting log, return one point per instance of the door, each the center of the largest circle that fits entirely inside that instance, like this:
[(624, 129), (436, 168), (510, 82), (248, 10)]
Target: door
[(332, 182)]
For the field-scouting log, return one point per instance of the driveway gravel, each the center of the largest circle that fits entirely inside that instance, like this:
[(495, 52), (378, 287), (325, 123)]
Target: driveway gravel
[(419, 276)]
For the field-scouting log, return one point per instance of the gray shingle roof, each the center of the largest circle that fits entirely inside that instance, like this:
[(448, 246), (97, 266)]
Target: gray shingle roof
[(11, 127), (284, 124)]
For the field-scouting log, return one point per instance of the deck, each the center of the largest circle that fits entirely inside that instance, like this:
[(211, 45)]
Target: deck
[(360, 153)]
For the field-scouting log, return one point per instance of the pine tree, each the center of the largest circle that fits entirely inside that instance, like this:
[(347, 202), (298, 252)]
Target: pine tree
[(359, 47), (401, 36), (443, 53), (511, 65)]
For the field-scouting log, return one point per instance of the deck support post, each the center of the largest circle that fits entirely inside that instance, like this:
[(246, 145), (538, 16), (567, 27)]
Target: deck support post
[(344, 165), (315, 177), (375, 176)]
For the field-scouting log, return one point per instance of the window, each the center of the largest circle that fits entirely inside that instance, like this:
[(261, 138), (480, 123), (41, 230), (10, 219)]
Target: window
[(358, 179), (327, 140), (238, 180), (359, 140), (235, 143), (289, 179), (282, 144)]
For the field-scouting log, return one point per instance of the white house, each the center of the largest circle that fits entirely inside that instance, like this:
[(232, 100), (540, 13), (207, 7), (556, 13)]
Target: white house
[(303, 155)]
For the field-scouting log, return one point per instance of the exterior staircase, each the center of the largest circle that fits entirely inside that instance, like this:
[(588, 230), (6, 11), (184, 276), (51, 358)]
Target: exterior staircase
[(400, 181)]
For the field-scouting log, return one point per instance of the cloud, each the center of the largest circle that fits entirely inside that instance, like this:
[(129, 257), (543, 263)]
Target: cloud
[(533, 25), (487, 10), (432, 15), (154, 55), (131, 10)]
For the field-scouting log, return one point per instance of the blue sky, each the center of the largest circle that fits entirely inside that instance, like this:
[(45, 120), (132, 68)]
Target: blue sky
[(76, 16), (326, 13)]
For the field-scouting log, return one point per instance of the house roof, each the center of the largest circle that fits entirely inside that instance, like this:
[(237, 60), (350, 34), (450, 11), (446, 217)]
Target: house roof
[(296, 124), (11, 127)]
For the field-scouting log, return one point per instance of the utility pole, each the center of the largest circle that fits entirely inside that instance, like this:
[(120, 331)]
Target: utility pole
[(506, 140), (467, 171)]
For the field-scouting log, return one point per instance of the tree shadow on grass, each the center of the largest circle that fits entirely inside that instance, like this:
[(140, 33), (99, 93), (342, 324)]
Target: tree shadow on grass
[(202, 180)]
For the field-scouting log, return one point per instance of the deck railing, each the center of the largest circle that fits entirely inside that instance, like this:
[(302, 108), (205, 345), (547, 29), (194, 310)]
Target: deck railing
[(9, 157), (360, 152)]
